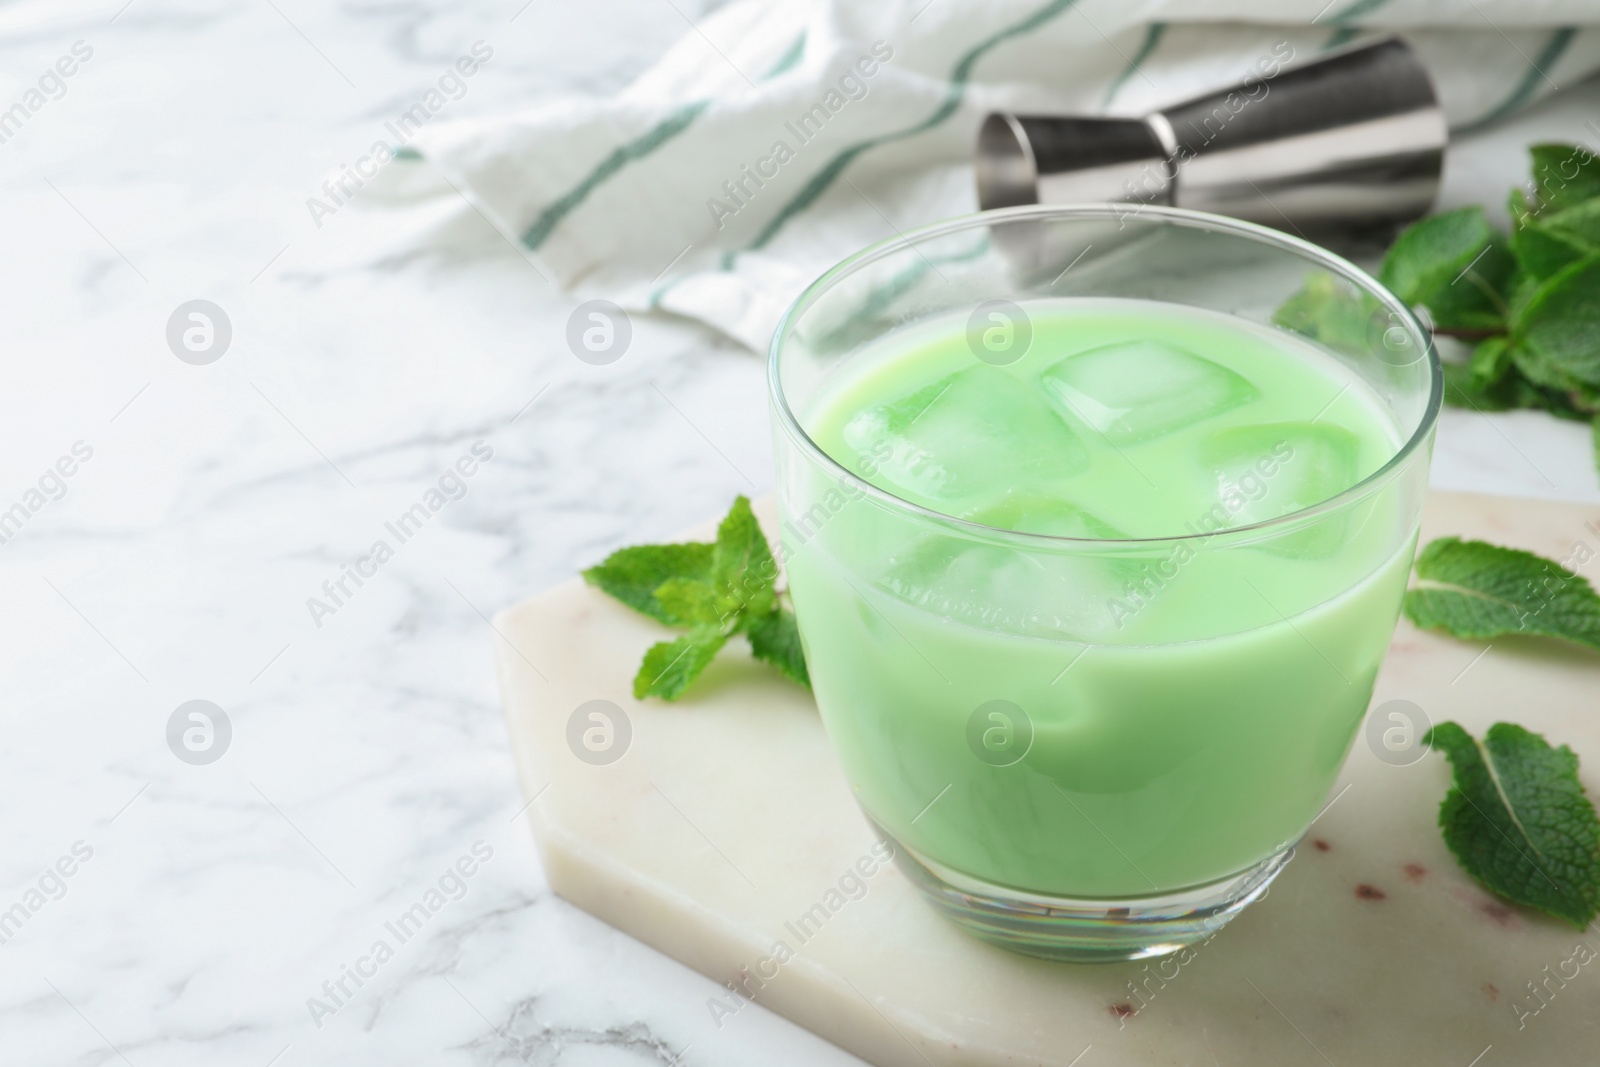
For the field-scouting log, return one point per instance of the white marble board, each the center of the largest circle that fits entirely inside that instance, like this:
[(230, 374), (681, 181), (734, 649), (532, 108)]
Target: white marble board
[(726, 817)]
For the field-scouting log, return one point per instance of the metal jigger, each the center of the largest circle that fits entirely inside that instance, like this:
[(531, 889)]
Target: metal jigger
[(1354, 140)]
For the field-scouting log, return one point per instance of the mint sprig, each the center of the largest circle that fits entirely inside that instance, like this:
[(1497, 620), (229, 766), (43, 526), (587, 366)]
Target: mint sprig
[(715, 590), (1555, 338), (633, 575), (1329, 310), (1517, 820), (1564, 175), (1516, 817), (1473, 589), (775, 638), (1531, 299), (1457, 266), (669, 666)]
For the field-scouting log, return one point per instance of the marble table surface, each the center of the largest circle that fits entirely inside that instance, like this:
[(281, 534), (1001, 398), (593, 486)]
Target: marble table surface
[(164, 910)]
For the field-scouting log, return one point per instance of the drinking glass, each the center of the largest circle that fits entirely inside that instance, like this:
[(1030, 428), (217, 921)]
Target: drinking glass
[(1059, 783)]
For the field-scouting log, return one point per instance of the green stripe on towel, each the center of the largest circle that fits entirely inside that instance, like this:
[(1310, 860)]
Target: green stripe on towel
[(637, 149), (1357, 9), (1341, 36), (824, 178), (1345, 33), (620, 157), (1548, 56), (789, 60), (1152, 37), (883, 297)]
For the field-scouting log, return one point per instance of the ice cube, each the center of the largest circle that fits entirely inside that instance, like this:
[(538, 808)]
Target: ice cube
[(1009, 590), (1137, 390), (962, 435), (1020, 589), (1043, 513), (1264, 472)]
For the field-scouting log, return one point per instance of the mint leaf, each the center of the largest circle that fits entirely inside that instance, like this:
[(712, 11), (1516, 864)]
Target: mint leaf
[(1580, 224), (1556, 333), (1533, 299), (689, 599), (1542, 250), (1493, 376), (633, 575), (716, 590), (1517, 820), (1330, 310), (1463, 389), (1491, 362), (1579, 404), (1478, 590), (1489, 381), (775, 638), (670, 666), (742, 568), (1520, 206), (1457, 266), (1564, 175)]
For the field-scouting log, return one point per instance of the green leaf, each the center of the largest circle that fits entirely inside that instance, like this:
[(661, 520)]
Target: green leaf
[(1564, 175), (1578, 406), (1478, 590), (633, 575), (775, 638), (714, 589), (1513, 391), (1594, 431), (1330, 310), (1517, 820), (1542, 250), (1519, 205), (1580, 224), (1463, 390), (670, 666), (1494, 364), (689, 599), (1456, 265), (1519, 291), (743, 569), (1491, 382), (1556, 333), (1491, 362)]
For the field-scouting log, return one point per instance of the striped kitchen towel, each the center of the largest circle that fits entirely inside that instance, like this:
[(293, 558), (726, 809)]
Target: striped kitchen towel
[(778, 136)]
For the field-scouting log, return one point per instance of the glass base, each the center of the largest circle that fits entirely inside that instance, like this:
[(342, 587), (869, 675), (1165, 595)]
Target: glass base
[(1087, 931)]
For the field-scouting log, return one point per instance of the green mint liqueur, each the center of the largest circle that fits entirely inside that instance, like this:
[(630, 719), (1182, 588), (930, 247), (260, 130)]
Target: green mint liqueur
[(1098, 715)]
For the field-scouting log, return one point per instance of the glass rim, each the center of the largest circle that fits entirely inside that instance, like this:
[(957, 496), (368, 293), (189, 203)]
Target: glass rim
[(1178, 216)]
